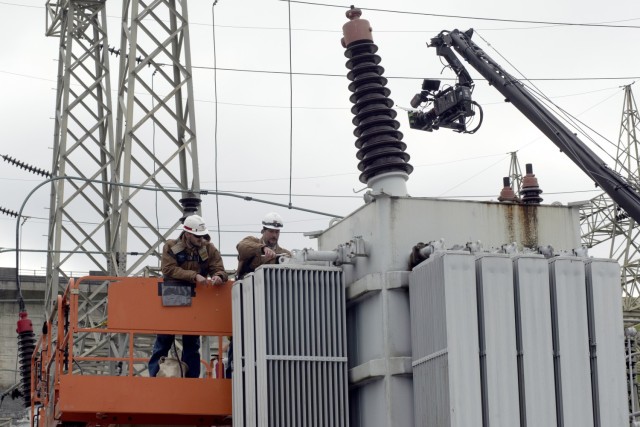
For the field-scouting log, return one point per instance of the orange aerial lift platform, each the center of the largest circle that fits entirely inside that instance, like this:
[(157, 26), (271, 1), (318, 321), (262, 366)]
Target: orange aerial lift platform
[(65, 393)]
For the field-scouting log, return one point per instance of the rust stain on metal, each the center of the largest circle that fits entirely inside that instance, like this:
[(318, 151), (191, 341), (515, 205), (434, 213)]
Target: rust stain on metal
[(510, 221), (529, 225)]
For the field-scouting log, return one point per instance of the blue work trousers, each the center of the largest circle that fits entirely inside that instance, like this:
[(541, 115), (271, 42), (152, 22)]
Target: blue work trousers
[(190, 353)]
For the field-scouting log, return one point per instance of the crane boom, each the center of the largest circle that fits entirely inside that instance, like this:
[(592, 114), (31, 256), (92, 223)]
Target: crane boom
[(615, 185)]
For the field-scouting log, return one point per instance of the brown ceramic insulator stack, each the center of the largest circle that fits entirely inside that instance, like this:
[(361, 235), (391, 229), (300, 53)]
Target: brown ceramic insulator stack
[(379, 143), (530, 192), (507, 194)]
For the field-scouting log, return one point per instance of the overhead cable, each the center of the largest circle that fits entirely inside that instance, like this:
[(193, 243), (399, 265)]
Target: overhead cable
[(290, 105), (405, 12), (215, 116)]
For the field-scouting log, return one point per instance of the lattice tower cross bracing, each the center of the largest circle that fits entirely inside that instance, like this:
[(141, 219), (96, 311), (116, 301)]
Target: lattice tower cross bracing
[(81, 222), (605, 223), (94, 224), (515, 173), (155, 104)]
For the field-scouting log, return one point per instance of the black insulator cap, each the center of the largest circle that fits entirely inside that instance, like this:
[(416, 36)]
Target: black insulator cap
[(190, 204)]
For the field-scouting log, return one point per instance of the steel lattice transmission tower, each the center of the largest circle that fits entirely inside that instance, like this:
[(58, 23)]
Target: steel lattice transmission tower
[(81, 228), (155, 139), (605, 224), (133, 179), (515, 173), (155, 127)]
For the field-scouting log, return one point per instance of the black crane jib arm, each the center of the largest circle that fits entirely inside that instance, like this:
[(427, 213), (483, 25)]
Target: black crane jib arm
[(514, 91)]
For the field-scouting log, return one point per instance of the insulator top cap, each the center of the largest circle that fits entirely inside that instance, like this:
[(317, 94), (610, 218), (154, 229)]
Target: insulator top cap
[(353, 13), (529, 180), (356, 29), (507, 195), (24, 324)]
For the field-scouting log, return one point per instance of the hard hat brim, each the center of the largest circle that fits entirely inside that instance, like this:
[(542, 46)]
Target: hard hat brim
[(195, 232), (272, 224)]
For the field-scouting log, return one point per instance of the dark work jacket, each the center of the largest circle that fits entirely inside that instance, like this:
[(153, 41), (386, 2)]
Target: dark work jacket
[(250, 251), (183, 263)]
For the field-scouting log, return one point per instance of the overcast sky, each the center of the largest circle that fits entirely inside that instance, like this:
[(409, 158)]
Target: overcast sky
[(581, 68)]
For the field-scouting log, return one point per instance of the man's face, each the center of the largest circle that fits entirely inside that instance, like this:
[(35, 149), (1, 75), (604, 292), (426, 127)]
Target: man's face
[(270, 236), (196, 241)]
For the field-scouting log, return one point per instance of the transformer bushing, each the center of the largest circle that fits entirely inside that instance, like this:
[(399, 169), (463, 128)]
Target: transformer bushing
[(190, 204), (530, 192), (380, 148), (507, 194), (26, 346)]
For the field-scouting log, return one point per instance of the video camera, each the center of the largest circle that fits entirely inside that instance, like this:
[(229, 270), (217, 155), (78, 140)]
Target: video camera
[(451, 107)]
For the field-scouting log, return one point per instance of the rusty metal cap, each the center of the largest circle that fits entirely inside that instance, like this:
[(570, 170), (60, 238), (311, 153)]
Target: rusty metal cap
[(356, 29), (530, 191), (507, 194)]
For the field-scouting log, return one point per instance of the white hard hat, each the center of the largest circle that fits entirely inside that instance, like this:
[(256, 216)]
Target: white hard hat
[(194, 224), (273, 221)]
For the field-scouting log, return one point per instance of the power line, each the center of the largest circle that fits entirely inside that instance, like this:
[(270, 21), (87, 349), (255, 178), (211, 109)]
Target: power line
[(471, 177), (36, 219), (476, 18), (616, 88), (298, 73), (546, 23), (27, 76), (290, 103), (448, 162), (320, 196), (215, 117), (20, 5), (605, 24), (422, 31)]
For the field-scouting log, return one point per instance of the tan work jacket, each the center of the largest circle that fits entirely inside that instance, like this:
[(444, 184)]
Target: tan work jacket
[(250, 251), (206, 261)]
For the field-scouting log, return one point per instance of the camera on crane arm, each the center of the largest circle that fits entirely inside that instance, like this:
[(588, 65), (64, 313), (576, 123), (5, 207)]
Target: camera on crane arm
[(451, 107)]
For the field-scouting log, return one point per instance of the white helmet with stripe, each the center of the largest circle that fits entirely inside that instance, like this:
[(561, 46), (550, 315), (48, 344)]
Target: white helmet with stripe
[(194, 224), (272, 221)]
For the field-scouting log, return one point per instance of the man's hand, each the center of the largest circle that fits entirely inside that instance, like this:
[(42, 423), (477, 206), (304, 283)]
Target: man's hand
[(215, 280), (269, 253)]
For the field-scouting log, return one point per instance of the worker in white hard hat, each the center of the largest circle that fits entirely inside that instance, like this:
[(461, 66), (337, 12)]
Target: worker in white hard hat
[(254, 252), (191, 258)]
